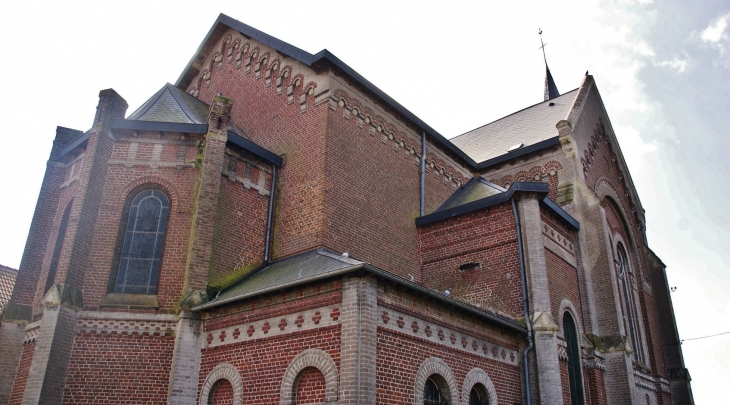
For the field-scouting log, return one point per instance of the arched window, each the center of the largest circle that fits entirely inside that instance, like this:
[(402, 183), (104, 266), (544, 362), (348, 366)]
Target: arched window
[(478, 395), (57, 249), (144, 239), (629, 314), (432, 393), (574, 375)]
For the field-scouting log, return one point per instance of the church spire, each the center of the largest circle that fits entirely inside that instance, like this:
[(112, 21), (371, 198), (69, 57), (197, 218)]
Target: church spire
[(551, 90)]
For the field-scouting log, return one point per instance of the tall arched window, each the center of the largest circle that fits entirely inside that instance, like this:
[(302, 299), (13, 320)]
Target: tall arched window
[(57, 249), (144, 238), (574, 376), (478, 395), (630, 315)]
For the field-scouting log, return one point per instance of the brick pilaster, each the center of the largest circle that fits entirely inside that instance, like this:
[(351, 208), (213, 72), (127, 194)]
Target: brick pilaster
[(212, 155), (185, 370), (358, 347)]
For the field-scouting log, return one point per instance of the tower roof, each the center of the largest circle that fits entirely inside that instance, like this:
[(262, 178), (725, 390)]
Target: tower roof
[(551, 90), (171, 104)]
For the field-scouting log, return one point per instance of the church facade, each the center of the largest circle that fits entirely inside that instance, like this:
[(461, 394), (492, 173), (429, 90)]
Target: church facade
[(274, 229)]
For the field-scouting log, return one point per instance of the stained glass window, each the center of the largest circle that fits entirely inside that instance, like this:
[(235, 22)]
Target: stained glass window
[(629, 310), (144, 239), (432, 394), (574, 377)]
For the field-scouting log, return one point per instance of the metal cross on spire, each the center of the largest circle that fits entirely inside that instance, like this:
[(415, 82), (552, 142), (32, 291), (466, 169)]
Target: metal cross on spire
[(539, 31)]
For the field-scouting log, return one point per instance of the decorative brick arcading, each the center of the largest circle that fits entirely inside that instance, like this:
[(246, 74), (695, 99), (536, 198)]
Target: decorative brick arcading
[(223, 371), (478, 376), (445, 380), (309, 358)]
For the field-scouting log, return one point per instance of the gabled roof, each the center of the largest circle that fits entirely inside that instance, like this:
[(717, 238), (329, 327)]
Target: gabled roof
[(530, 126), (7, 281)]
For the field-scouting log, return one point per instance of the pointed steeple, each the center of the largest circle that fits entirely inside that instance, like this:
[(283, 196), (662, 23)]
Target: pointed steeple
[(551, 90)]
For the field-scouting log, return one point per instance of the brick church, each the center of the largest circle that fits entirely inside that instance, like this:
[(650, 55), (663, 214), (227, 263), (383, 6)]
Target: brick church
[(275, 229)]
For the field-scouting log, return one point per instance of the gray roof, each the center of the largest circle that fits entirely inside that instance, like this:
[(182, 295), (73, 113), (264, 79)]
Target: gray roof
[(171, 104), (529, 126), (7, 281), (475, 189), (307, 266)]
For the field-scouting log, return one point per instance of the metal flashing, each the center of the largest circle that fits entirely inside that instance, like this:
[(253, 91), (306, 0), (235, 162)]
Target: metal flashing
[(519, 152), (257, 150), (73, 145), (159, 126)]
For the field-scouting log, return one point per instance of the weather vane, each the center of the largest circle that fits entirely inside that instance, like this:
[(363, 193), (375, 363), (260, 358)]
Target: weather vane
[(539, 31)]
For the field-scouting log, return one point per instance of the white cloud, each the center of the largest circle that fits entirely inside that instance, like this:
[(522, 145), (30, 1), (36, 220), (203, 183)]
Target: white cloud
[(715, 32), (677, 64)]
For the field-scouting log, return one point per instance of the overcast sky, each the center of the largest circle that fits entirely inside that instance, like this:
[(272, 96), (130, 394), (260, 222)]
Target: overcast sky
[(663, 70)]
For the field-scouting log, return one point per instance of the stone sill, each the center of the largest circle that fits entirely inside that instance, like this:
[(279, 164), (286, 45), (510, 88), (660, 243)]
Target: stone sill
[(130, 301)]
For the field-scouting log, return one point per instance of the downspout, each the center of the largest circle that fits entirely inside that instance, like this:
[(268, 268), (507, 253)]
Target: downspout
[(423, 173), (525, 303), (269, 217)]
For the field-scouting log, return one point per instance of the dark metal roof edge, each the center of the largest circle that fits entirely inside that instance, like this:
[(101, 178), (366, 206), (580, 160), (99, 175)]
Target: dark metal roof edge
[(519, 152), (309, 60), (159, 126), (257, 150), (73, 145), (182, 103), (561, 213), (541, 188)]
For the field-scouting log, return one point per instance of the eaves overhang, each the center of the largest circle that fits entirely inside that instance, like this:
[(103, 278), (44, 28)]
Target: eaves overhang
[(73, 145), (311, 60), (519, 152), (368, 268), (541, 189)]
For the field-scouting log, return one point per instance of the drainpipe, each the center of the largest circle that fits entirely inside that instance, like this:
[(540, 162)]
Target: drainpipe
[(269, 217), (525, 303), (423, 173)]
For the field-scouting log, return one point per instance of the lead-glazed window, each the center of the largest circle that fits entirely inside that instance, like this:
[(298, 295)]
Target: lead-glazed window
[(144, 238)]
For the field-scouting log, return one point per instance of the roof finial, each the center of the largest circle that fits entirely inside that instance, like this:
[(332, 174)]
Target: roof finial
[(551, 90), (539, 31)]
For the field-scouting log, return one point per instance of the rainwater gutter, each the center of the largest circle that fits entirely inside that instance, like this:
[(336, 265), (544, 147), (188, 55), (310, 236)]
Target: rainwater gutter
[(525, 303), (269, 217)]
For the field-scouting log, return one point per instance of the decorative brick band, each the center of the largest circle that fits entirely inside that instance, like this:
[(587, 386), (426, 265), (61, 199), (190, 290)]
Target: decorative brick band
[(410, 325), (126, 324), (557, 243), (309, 358), (31, 332), (223, 371), (562, 350), (644, 380), (275, 326), (474, 377), (440, 372)]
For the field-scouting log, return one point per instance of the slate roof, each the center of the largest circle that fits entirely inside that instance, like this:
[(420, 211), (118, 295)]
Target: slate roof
[(7, 281), (475, 189), (302, 267), (320, 264), (529, 126), (171, 104)]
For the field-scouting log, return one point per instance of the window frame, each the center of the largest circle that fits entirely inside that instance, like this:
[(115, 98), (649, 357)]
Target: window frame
[(121, 235)]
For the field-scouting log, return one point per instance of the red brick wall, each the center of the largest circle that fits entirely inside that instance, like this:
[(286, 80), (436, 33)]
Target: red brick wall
[(238, 241), (119, 369), (21, 378), (562, 283), (595, 386), (565, 381), (221, 393), (487, 237), (310, 387), (399, 357), (270, 121), (121, 183), (262, 362)]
